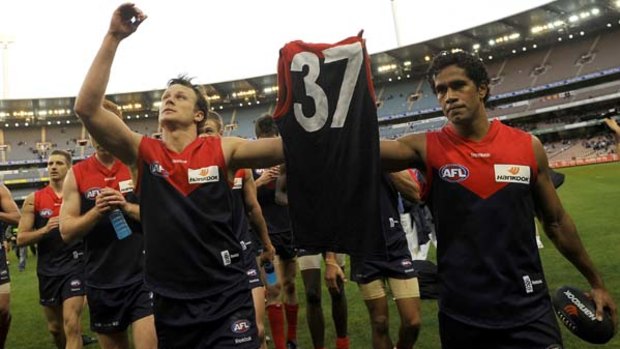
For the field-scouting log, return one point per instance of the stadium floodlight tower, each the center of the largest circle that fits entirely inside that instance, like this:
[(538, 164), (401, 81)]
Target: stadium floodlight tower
[(5, 41)]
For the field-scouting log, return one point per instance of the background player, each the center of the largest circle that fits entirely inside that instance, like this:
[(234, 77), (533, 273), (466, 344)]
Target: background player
[(116, 294), (9, 214), (310, 269), (397, 270), (471, 167), (246, 204), (60, 266), (279, 225)]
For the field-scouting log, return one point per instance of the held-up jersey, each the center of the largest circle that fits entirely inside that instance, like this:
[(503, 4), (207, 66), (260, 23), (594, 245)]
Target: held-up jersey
[(276, 216), (54, 256), (186, 211), (327, 117), (480, 194), (110, 262)]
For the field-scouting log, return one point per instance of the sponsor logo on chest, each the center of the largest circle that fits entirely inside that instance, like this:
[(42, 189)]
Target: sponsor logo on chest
[(203, 175), (512, 174), (125, 186), (238, 183)]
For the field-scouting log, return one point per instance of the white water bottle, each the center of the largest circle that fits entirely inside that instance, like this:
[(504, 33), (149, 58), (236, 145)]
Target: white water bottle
[(119, 223)]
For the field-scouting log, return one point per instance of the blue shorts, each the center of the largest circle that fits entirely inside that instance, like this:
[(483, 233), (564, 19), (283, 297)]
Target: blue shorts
[(397, 265), (113, 310), (53, 290), (283, 242), (541, 333), (4, 267), (224, 321)]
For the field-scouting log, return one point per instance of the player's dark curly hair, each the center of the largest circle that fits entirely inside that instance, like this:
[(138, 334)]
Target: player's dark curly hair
[(265, 126), (472, 64), (202, 103)]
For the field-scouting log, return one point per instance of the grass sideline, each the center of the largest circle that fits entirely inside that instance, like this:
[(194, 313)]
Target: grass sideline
[(591, 194)]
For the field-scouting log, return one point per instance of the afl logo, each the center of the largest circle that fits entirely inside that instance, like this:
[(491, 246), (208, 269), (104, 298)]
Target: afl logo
[(46, 213), (406, 263), (76, 283), (240, 326), (92, 193), (453, 173)]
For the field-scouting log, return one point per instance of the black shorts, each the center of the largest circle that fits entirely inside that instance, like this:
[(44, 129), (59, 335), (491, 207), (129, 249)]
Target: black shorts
[(53, 290), (541, 333), (224, 320), (113, 310), (283, 242), (397, 265), (4, 268)]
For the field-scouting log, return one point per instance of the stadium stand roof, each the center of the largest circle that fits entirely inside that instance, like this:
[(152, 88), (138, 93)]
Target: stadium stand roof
[(542, 26)]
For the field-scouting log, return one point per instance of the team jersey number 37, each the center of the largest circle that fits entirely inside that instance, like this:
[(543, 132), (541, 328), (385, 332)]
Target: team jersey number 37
[(353, 53)]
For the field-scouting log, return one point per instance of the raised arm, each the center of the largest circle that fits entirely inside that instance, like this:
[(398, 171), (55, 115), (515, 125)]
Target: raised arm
[(255, 216), (104, 126), (403, 153), (26, 232), (560, 228), (9, 212)]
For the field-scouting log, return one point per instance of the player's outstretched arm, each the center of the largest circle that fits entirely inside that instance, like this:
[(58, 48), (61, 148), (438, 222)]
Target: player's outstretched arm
[(561, 229), (403, 153), (260, 153), (26, 233), (107, 129), (9, 212)]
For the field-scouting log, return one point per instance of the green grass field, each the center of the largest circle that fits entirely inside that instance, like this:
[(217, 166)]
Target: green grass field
[(590, 194)]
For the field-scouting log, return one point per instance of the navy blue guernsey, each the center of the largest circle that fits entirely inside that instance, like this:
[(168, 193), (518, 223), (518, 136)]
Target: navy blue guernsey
[(327, 117), (240, 217), (54, 256), (276, 216), (186, 211), (480, 194), (110, 262), (390, 217)]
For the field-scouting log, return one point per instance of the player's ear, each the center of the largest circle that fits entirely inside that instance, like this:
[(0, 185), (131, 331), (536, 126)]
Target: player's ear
[(199, 116), (483, 91)]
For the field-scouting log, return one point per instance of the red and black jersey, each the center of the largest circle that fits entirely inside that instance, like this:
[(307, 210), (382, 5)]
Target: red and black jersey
[(54, 256), (276, 216), (110, 262), (186, 210), (480, 194), (327, 117)]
